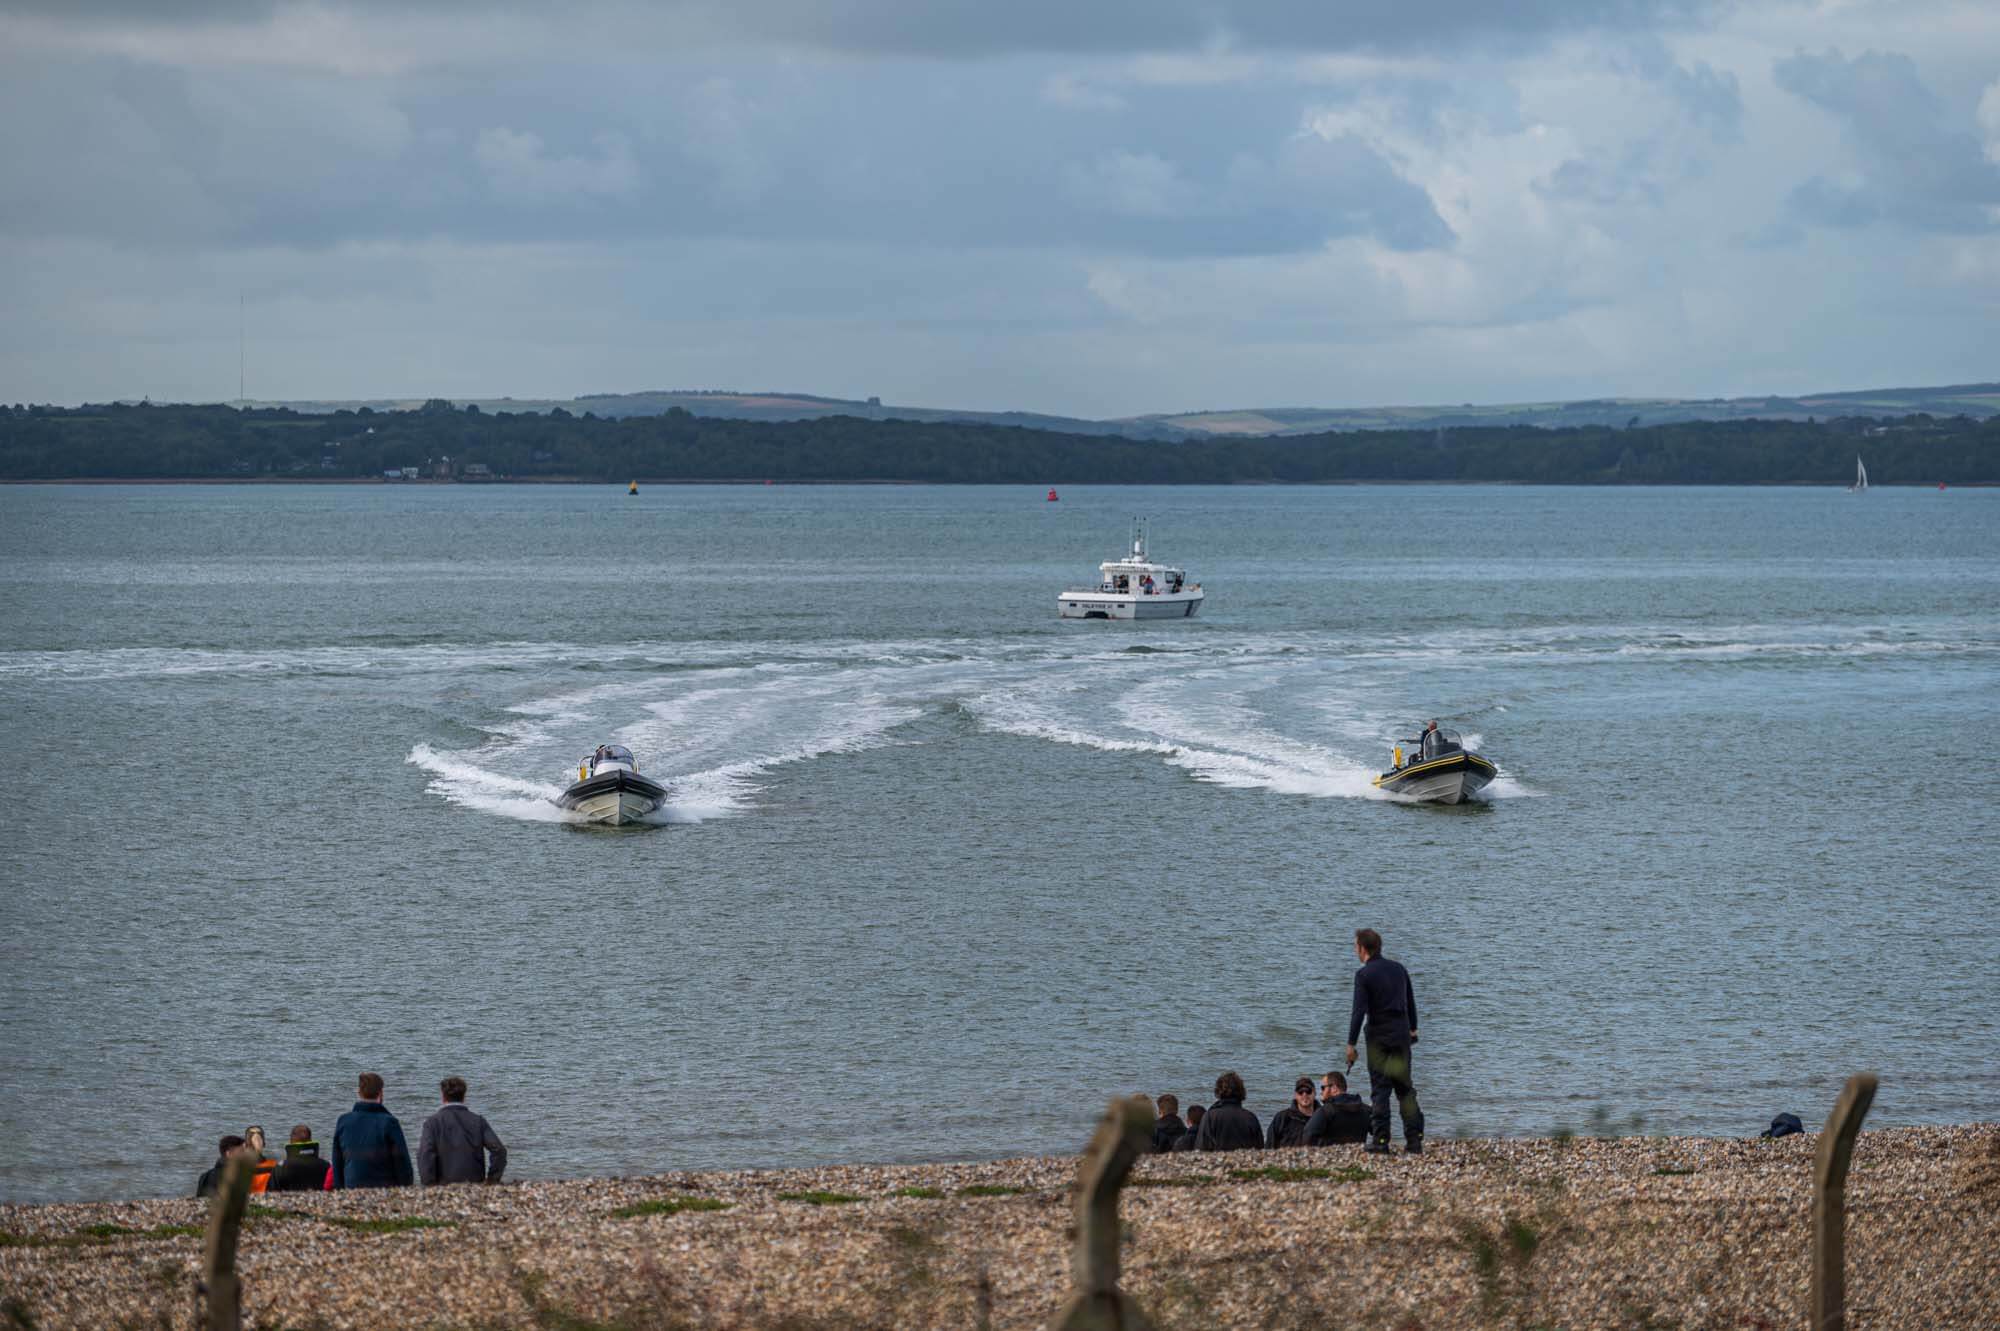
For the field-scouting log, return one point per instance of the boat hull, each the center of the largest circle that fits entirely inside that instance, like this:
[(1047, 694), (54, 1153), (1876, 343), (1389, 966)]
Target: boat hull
[(1115, 605), (613, 799), (1452, 779)]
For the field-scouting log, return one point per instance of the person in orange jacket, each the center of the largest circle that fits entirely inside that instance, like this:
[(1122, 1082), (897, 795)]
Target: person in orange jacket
[(253, 1145)]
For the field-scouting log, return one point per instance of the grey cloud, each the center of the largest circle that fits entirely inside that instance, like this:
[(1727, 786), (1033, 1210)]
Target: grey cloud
[(1579, 181), (919, 154), (1710, 97), (1918, 167), (967, 28)]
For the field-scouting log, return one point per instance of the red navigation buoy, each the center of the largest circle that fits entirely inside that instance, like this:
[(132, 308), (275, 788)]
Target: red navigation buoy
[(1053, 497)]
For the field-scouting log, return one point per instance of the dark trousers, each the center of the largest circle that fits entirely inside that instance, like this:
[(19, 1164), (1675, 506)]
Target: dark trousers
[(1389, 1070)]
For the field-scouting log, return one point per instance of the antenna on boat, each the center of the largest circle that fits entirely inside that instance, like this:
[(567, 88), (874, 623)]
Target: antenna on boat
[(1139, 538)]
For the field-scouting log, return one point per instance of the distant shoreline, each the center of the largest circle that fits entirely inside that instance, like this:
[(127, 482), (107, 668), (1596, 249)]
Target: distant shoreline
[(645, 481), (184, 445)]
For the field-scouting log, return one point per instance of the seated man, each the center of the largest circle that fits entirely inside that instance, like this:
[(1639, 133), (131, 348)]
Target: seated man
[(1288, 1125), (1168, 1128), (210, 1181), (1187, 1139), (1228, 1126), (303, 1170), (1341, 1119)]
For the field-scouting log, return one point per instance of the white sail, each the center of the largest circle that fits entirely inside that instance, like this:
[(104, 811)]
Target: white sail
[(1860, 478)]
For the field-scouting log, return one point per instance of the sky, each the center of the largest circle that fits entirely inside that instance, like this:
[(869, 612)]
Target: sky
[(1097, 209)]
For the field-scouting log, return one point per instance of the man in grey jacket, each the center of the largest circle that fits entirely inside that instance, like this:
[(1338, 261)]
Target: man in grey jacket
[(459, 1146)]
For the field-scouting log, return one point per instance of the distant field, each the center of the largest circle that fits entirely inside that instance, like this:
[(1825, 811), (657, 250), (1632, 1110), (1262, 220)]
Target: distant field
[(1975, 400)]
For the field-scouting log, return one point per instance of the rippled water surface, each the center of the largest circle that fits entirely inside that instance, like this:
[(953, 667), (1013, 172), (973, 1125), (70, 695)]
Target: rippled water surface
[(939, 873)]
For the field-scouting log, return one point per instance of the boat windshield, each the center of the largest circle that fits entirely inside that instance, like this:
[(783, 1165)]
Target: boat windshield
[(613, 753), (1439, 741)]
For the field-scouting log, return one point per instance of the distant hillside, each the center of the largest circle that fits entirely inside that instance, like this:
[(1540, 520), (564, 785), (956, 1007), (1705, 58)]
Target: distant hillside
[(736, 406), (1975, 400), (440, 442)]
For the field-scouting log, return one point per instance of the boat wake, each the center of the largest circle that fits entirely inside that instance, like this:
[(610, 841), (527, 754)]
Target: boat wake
[(471, 786), (1257, 715)]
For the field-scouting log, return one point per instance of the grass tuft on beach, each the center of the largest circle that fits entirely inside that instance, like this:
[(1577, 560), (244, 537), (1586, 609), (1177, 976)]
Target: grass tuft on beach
[(392, 1224), (819, 1198), (1285, 1174), (669, 1206)]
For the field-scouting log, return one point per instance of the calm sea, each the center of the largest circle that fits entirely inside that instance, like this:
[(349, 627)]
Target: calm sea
[(941, 874)]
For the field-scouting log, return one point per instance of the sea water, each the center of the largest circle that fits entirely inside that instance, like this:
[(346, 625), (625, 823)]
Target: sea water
[(940, 874)]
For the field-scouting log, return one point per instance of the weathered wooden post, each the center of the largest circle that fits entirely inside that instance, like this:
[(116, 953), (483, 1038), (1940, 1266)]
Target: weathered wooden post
[(1829, 1214), (219, 1295), (1122, 1137)]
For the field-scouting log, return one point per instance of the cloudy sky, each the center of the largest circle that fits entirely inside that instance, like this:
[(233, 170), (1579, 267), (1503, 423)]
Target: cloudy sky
[(1098, 208)]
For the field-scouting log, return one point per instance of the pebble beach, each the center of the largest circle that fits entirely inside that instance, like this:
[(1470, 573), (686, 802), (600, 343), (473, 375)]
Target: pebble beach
[(1574, 1233)]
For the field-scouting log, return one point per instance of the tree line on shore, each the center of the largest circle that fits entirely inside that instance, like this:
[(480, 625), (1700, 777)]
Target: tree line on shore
[(142, 441)]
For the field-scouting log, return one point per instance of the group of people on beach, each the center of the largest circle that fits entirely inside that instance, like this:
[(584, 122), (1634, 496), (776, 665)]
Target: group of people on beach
[(1385, 1003), (369, 1149), (460, 1146)]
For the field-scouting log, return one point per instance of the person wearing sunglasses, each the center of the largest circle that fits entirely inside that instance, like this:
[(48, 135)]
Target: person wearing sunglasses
[(1288, 1125), (1342, 1117)]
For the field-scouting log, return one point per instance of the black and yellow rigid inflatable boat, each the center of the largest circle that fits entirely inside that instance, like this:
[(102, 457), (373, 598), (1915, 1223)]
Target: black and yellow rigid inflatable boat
[(1441, 770)]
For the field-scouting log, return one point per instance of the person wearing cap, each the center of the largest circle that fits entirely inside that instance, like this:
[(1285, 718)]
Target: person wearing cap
[(1288, 1125), (303, 1170)]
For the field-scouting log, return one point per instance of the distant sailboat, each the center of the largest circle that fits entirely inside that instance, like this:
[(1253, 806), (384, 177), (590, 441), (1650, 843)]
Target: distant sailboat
[(1860, 485)]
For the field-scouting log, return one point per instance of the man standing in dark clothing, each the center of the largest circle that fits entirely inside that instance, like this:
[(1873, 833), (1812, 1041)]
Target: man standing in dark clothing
[(302, 1169), (1168, 1128), (457, 1145), (1288, 1125), (368, 1146), (1384, 999), (1228, 1126)]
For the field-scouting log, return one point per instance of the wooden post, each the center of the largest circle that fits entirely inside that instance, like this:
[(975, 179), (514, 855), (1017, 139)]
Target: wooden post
[(1829, 1213), (1122, 1137), (219, 1295)]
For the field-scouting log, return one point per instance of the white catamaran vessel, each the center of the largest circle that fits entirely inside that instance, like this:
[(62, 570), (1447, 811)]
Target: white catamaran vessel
[(1134, 587), (1860, 485)]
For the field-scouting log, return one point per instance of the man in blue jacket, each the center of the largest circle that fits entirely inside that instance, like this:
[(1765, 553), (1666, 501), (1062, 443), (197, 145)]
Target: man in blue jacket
[(1384, 999), (368, 1146)]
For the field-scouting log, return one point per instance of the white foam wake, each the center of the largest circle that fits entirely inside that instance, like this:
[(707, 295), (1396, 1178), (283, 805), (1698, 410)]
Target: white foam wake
[(1216, 739), (471, 786)]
